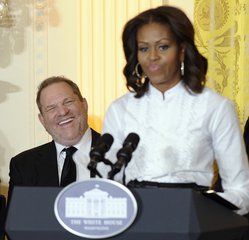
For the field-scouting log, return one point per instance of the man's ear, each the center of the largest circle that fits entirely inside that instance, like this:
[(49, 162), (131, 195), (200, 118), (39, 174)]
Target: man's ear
[(85, 104), (41, 118)]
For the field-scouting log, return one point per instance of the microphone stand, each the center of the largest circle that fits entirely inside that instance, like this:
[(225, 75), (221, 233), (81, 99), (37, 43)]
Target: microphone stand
[(94, 171), (115, 170)]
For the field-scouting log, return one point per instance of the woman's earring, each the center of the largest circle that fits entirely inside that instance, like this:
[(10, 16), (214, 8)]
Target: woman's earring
[(137, 72), (182, 68)]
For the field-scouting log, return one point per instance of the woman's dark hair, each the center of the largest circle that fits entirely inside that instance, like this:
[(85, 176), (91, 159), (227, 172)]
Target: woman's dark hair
[(52, 80), (195, 65)]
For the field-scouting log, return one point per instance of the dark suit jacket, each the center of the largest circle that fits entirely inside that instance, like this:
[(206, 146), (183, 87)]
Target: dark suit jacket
[(246, 136), (37, 166)]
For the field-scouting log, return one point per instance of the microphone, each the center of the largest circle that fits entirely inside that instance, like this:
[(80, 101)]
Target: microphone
[(125, 153), (98, 151)]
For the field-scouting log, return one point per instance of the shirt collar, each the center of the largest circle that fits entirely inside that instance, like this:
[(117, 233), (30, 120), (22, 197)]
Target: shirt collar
[(83, 143), (154, 92)]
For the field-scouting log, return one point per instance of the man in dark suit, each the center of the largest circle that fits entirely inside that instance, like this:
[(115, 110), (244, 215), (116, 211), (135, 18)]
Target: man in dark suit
[(63, 113)]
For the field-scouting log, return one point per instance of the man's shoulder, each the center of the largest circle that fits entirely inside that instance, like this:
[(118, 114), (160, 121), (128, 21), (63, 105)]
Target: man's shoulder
[(36, 151), (95, 136), (95, 133)]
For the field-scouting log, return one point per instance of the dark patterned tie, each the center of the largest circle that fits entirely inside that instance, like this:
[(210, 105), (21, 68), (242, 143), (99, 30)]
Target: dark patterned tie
[(68, 174)]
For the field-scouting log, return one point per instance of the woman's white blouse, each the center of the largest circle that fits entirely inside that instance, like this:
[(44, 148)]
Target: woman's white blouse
[(181, 133)]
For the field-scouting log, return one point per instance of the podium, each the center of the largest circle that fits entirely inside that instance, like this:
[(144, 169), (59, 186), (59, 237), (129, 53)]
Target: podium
[(163, 214)]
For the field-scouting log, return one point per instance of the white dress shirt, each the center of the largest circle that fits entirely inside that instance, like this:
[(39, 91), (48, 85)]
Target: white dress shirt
[(181, 133), (80, 157)]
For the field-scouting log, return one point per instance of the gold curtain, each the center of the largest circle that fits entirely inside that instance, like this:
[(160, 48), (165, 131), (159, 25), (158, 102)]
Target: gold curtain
[(222, 35), (101, 56)]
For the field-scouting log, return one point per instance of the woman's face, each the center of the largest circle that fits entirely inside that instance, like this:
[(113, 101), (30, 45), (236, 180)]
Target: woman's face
[(159, 55)]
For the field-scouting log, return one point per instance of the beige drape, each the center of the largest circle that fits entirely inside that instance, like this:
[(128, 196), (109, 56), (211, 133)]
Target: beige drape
[(222, 35), (102, 59)]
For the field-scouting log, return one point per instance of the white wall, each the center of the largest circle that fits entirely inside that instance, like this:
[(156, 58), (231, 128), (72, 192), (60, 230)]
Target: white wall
[(38, 45)]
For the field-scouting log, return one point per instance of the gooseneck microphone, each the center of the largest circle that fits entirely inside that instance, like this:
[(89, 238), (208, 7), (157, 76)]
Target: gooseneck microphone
[(124, 154), (98, 151)]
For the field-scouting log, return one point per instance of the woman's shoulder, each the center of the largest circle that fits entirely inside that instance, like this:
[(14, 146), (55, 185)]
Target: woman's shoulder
[(124, 99), (214, 96)]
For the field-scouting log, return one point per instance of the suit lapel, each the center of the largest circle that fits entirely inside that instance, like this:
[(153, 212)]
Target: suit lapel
[(95, 137), (46, 166)]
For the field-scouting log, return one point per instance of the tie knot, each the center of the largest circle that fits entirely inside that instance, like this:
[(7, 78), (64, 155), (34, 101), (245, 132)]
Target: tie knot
[(70, 151)]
